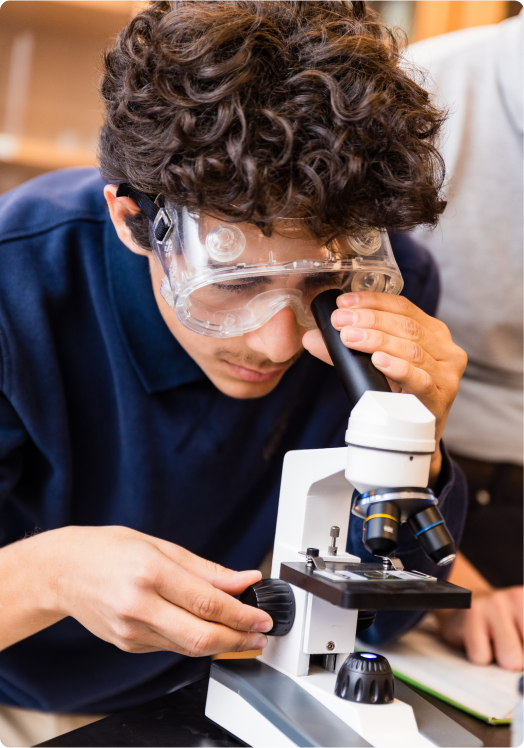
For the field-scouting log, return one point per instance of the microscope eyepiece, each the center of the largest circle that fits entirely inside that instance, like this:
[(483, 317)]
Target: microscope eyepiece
[(355, 369), (430, 530), (380, 535)]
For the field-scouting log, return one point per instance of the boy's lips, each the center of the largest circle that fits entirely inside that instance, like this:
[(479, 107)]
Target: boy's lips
[(254, 375)]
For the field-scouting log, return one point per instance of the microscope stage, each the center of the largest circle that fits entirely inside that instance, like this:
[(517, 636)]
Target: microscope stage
[(383, 591)]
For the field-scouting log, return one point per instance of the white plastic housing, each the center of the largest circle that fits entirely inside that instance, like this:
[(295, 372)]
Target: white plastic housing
[(392, 421), (369, 469), (390, 438)]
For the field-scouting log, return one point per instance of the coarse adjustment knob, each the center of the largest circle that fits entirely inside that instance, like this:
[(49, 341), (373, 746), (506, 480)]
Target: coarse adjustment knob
[(367, 678), (276, 598)]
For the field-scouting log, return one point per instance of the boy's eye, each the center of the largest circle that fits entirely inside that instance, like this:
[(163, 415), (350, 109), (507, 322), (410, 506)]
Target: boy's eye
[(245, 284)]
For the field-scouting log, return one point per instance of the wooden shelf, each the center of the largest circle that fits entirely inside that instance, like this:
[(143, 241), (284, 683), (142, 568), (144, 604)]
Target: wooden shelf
[(42, 154), (50, 65), (126, 8), (435, 17)]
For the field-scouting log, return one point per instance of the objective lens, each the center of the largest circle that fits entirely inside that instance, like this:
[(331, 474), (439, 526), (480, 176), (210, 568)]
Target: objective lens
[(429, 528), (380, 535)]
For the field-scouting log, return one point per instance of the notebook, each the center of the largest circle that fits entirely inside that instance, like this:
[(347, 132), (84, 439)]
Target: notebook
[(422, 659)]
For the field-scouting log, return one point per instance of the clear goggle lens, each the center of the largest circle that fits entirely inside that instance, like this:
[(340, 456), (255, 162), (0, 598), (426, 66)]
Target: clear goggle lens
[(225, 279)]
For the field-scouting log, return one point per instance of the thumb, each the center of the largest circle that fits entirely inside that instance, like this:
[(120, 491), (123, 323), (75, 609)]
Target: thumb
[(312, 342), (235, 582)]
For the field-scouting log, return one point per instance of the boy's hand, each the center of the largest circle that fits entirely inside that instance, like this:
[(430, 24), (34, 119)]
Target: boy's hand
[(143, 594), (414, 351)]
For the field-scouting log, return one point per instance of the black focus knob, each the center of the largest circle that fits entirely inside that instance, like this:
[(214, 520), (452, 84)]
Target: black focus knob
[(367, 678), (276, 598)]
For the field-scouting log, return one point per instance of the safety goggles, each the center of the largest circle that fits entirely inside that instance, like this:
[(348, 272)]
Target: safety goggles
[(225, 279)]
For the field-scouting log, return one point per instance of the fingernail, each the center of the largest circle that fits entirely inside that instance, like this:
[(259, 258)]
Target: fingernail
[(342, 318), (348, 299), (382, 360), (353, 335), (260, 643), (264, 626)]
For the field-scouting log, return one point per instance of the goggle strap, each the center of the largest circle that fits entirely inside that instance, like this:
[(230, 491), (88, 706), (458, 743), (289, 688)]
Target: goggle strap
[(146, 203)]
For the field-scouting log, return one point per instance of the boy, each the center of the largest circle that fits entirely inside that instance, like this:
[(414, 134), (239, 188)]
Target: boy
[(143, 446)]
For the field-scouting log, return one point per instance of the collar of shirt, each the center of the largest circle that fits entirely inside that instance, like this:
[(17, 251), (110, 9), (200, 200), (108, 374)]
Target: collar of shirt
[(157, 357)]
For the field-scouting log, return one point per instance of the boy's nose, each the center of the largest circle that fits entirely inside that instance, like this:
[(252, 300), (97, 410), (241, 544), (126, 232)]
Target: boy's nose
[(279, 339)]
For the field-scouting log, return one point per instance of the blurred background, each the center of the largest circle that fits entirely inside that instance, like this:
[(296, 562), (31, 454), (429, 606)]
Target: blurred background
[(50, 53)]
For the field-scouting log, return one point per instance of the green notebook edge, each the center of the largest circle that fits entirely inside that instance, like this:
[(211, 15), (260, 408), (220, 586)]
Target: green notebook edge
[(489, 720)]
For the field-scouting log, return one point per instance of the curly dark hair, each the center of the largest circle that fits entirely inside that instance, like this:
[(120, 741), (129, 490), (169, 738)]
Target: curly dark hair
[(257, 111)]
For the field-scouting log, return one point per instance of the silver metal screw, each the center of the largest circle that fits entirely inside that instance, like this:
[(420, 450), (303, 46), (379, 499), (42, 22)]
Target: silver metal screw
[(330, 646), (334, 533)]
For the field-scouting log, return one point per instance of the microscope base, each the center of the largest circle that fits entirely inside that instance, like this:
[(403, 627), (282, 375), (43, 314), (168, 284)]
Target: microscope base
[(265, 707)]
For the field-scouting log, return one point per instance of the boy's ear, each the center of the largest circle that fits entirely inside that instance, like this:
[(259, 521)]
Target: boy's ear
[(119, 208)]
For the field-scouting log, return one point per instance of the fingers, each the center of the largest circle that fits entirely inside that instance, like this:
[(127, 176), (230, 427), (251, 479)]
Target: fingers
[(195, 637), (372, 322), (410, 378), (370, 341), (390, 303), (504, 630), (467, 629), (406, 365), (205, 601), (476, 638), (232, 582), (489, 630), (389, 323), (516, 598), (398, 345), (166, 627)]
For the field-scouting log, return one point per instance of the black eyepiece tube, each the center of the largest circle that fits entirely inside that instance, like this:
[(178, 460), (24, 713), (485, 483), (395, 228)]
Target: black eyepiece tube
[(354, 368)]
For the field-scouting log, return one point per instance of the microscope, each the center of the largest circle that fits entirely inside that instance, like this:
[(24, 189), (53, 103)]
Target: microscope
[(309, 687)]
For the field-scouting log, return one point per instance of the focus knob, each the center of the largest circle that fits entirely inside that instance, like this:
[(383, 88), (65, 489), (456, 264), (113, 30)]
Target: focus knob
[(367, 678), (276, 598)]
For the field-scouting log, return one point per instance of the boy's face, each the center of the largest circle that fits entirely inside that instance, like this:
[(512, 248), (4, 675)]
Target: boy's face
[(250, 365)]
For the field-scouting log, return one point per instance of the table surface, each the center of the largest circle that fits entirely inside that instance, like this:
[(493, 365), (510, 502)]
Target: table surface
[(177, 719)]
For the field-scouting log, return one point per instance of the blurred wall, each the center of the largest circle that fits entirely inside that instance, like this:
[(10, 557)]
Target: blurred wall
[(50, 63)]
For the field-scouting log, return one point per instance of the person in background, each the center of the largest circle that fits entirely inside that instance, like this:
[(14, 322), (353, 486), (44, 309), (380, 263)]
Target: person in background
[(477, 74)]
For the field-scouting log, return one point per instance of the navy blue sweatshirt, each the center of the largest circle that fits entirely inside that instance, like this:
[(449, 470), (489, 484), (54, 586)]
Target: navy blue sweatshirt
[(106, 420)]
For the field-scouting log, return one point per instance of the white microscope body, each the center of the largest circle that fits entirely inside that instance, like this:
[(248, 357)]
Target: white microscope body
[(390, 440), (287, 696)]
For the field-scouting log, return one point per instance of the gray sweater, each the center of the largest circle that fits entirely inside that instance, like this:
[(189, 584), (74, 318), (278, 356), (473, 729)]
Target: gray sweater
[(478, 245)]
